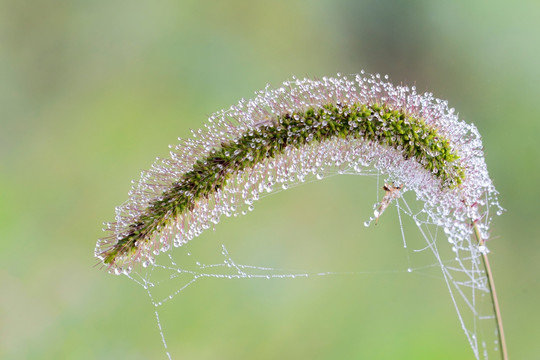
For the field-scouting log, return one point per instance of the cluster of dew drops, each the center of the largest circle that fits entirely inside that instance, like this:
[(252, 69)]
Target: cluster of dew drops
[(451, 210)]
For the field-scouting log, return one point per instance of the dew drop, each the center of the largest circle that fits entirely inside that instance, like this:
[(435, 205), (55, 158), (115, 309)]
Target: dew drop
[(367, 223)]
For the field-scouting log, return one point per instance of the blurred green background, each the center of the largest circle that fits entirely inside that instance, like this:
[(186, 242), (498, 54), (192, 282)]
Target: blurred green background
[(92, 91)]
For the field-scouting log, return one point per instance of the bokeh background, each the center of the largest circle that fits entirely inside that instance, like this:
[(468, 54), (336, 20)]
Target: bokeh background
[(92, 91)]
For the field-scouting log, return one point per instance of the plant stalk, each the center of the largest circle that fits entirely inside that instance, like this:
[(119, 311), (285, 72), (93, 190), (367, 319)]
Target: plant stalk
[(493, 293)]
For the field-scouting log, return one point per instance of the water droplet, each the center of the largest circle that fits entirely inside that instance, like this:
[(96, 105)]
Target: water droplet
[(367, 223)]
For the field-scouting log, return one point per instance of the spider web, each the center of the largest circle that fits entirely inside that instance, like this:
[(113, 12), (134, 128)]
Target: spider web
[(429, 252)]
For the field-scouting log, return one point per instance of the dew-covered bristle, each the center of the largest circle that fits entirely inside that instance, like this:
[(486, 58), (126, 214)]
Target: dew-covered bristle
[(305, 128)]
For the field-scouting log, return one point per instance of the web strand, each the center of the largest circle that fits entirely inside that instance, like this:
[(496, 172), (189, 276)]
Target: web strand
[(461, 270)]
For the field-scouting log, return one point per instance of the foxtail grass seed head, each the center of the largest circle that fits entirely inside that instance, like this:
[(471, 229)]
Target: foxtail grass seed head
[(299, 130)]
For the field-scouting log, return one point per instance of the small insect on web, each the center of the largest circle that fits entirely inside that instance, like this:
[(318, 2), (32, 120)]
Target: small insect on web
[(391, 193), (284, 136)]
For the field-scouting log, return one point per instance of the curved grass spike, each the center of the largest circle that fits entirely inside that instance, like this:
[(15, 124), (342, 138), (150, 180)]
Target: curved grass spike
[(377, 123), (413, 138), (307, 128)]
